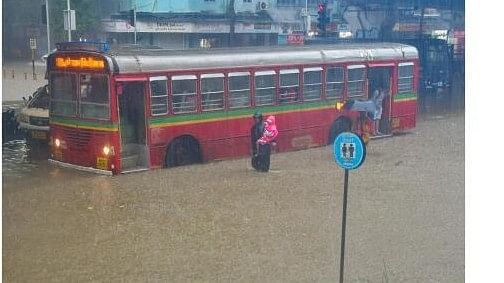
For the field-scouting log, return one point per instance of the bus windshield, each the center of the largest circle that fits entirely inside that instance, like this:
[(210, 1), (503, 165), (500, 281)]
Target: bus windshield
[(80, 95)]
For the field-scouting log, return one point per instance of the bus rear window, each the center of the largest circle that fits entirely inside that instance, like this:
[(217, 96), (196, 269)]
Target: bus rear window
[(63, 94), (94, 96), (405, 83)]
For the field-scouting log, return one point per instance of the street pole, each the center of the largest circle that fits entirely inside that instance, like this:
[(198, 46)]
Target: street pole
[(69, 20), (135, 21), (33, 63), (343, 227), (48, 30), (306, 17)]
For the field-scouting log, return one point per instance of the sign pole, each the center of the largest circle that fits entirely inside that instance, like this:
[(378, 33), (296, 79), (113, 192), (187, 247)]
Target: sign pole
[(349, 153), (33, 46), (33, 62), (343, 227)]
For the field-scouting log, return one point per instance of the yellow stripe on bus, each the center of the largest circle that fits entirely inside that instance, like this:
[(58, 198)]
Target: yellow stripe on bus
[(85, 127)]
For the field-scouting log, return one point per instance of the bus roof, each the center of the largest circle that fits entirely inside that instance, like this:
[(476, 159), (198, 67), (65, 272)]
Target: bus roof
[(161, 60)]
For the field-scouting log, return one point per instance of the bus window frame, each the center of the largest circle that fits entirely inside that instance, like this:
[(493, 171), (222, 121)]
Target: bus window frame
[(51, 99), (297, 96), (343, 82), (180, 77), (78, 114), (212, 75), (404, 64), (321, 72), (107, 76), (232, 74), (364, 80), (167, 96), (266, 72)]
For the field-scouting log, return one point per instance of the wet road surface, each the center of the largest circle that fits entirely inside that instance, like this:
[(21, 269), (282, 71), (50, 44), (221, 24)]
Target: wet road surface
[(225, 222)]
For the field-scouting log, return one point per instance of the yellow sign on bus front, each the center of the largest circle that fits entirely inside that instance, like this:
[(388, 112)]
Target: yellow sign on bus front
[(102, 163)]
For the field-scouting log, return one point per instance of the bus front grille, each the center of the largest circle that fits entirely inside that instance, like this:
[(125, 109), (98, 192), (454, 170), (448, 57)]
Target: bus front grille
[(77, 139)]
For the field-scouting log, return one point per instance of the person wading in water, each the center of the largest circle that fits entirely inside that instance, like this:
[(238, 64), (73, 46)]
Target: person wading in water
[(256, 133), (269, 136)]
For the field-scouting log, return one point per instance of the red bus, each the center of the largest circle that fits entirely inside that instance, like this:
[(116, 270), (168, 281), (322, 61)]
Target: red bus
[(122, 111)]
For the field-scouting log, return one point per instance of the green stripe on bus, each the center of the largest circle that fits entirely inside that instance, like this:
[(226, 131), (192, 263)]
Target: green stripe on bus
[(405, 96), (239, 113), (73, 123)]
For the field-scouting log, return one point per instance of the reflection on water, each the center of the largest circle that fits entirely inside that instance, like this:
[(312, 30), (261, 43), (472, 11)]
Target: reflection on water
[(20, 159)]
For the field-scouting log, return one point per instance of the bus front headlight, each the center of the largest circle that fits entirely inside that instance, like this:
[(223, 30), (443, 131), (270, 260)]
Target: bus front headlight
[(108, 150), (57, 142)]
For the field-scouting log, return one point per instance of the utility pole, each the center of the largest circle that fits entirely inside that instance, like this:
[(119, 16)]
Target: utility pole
[(135, 21), (47, 25), (231, 13), (69, 20)]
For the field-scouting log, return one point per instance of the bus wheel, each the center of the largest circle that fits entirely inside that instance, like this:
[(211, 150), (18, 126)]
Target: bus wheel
[(339, 126), (183, 151)]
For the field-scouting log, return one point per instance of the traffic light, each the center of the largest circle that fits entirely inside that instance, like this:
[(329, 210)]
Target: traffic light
[(131, 18), (322, 17)]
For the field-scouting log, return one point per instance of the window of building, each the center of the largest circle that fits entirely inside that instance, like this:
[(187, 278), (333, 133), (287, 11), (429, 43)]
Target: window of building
[(184, 94), (239, 89), (212, 92), (264, 88), (356, 80), (63, 94), (405, 83), (312, 85), (289, 85), (247, 1), (159, 95), (302, 3), (334, 82), (94, 96)]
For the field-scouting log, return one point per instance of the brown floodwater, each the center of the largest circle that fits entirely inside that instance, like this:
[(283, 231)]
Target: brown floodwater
[(225, 222)]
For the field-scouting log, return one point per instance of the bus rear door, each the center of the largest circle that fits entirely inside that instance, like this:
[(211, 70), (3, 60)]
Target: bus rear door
[(380, 75)]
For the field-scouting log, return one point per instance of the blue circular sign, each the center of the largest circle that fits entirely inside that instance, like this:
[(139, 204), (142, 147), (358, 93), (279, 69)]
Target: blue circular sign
[(349, 150)]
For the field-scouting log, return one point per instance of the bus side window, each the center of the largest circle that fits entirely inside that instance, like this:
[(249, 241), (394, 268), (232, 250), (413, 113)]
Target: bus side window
[(159, 95), (239, 90), (312, 83), (405, 82), (264, 88), (289, 85), (356, 80), (334, 82), (184, 94), (212, 92)]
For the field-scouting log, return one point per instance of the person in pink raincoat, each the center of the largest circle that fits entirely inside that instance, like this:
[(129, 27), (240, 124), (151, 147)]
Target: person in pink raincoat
[(264, 144)]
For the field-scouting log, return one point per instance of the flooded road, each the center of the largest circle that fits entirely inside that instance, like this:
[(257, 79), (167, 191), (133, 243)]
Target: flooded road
[(225, 222)]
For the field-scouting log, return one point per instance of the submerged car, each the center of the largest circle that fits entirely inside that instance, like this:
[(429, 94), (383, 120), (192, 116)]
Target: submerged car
[(33, 119)]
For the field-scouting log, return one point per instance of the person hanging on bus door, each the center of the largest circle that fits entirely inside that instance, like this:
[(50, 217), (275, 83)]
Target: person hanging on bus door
[(378, 96), (256, 133), (264, 144)]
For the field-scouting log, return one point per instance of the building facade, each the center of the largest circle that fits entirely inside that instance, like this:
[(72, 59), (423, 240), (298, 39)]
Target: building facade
[(193, 24)]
